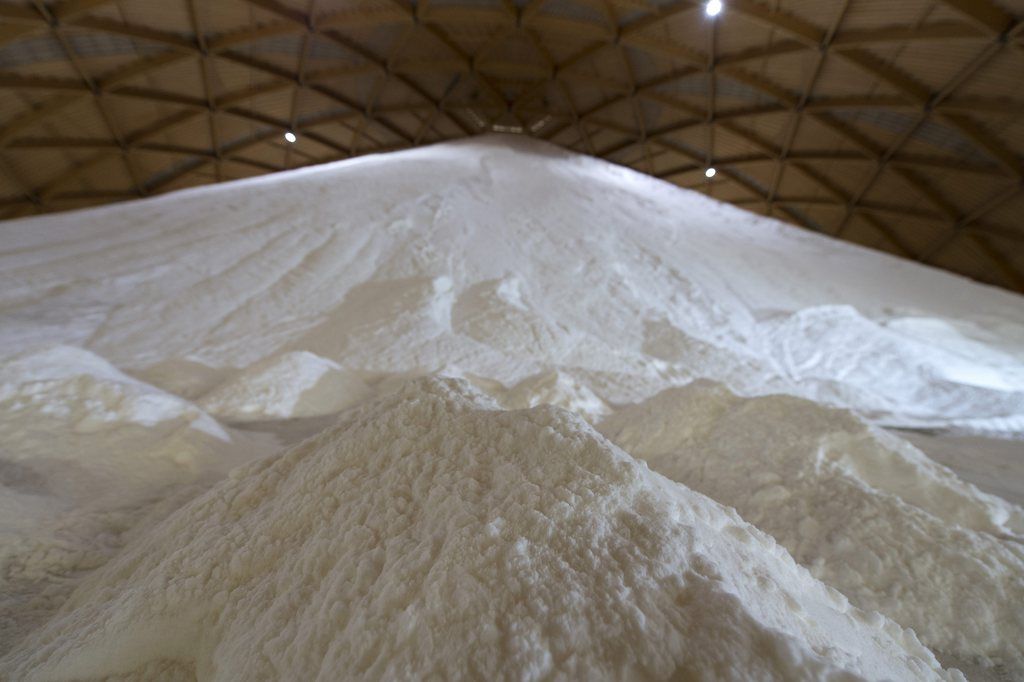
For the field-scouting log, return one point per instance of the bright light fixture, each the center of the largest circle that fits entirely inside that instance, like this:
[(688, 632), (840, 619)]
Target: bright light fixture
[(290, 136), (713, 8), (710, 172)]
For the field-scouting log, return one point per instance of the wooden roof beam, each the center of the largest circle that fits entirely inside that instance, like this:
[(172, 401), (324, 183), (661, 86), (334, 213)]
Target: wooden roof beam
[(864, 207), (305, 21), (207, 76), (162, 180), (795, 117), (725, 171), (290, 78), (1010, 274), (151, 35), (802, 30), (24, 20), (300, 80), (362, 17), (104, 84), (1004, 156), (57, 31), (625, 33), (983, 13), (787, 99), (964, 222), (138, 137), (844, 129), (414, 16), (938, 31)]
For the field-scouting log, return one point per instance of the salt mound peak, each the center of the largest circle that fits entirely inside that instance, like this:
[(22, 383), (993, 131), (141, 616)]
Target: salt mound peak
[(867, 512), (295, 384), (524, 144), (430, 531)]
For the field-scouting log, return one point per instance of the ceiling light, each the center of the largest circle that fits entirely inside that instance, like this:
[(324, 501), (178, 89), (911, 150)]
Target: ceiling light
[(290, 136), (713, 8), (710, 172)]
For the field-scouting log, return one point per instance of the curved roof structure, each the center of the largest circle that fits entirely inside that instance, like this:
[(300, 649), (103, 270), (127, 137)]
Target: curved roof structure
[(897, 125)]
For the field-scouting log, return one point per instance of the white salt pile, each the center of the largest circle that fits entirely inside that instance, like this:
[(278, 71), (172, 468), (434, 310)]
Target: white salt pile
[(148, 348), (507, 258), (866, 512), (430, 534)]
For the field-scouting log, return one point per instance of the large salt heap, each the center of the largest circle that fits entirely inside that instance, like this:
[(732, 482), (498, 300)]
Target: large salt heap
[(147, 348), (506, 258), (432, 534)]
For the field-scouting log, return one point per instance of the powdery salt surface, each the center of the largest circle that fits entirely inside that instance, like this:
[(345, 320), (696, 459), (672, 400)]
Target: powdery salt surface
[(432, 534), (540, 277), (509, 258), (72, 383), (837, 355), (866, 512), (89, 452)]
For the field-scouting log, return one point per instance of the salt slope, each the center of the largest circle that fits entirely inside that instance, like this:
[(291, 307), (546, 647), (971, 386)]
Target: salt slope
[(866, 512), (89, 452), (432, 534), (930, 370), (507, 258)]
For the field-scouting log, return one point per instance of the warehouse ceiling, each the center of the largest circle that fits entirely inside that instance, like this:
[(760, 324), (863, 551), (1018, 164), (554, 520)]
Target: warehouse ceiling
[(896, 125)]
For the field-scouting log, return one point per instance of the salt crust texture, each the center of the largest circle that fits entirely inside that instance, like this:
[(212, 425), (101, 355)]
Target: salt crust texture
[(431, 534), (867, 513)]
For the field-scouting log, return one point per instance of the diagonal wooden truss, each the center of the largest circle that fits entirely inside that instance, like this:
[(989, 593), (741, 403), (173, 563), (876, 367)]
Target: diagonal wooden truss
[(897, 127)]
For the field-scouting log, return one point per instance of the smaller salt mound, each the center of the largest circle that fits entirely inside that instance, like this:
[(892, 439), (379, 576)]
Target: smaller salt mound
[(87, 452), (867, 512), (558, 389), (430, 535), (296, 384), (694, 358), (72, 383)]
